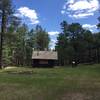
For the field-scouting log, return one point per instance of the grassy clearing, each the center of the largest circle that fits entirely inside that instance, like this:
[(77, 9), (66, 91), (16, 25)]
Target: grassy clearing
[(81, 83)]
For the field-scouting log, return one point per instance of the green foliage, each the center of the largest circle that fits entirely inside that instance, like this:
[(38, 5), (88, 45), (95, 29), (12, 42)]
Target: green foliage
[(41, 38), (6, 12), (19, 43), (76, 43), (98, 25)]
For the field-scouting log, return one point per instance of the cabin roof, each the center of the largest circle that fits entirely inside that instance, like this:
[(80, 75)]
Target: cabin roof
[(49, 55)]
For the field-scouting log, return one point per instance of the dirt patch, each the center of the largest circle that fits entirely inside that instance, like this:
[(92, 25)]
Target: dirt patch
[(20, 72), (80, 96)]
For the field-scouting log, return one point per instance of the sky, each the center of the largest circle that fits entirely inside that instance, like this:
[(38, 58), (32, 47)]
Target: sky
[(50, 13)]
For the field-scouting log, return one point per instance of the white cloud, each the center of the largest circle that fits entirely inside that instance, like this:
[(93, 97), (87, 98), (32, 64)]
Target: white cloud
[(81, 15), (62, 12), (81, 8), (30, 14), (90, 27), (53, 33), (52, 43), (70, 1), (53, 37)]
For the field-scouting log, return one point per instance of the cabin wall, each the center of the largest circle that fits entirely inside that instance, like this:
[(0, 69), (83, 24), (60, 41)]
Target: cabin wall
[(43, 63)]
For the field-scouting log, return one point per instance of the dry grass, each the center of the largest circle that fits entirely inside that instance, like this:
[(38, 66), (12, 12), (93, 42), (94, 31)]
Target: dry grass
[(81, 83)]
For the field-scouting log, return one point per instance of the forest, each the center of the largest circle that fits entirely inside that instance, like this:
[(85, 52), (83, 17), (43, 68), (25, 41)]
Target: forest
[(17, 40)]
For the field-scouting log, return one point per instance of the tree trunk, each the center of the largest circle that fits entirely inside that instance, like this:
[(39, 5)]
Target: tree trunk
[(3, 26), (98, 59), (89, 55)]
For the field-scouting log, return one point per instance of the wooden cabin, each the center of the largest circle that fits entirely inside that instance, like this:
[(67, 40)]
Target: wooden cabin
[(44, 58)]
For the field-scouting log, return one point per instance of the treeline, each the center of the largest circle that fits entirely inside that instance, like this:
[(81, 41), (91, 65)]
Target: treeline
[(77, 44), (17, 41), (18, 44)]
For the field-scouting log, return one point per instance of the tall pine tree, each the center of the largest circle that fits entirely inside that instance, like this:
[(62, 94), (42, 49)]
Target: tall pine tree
[(5, 12)]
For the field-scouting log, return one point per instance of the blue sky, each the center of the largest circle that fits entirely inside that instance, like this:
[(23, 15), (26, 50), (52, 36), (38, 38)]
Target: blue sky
[(50, 13)]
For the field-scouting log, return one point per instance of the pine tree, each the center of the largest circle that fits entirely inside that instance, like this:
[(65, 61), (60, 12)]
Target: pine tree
[(5, 12)]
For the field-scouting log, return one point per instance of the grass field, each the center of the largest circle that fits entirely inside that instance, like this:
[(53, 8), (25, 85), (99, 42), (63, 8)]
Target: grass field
[(81, 83)]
